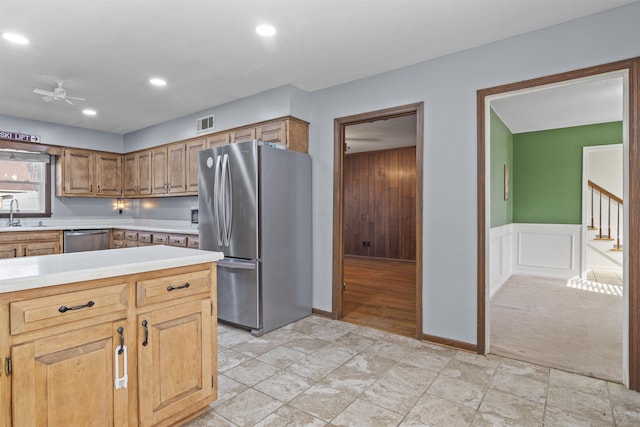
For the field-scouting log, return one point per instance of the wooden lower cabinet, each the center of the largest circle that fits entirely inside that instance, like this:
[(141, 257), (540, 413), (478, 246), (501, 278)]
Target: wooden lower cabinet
[(30, 243), (62, 367), (68, 380), (174, 372)]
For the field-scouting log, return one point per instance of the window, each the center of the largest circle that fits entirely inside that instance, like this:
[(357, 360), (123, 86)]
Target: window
[(24, 177)]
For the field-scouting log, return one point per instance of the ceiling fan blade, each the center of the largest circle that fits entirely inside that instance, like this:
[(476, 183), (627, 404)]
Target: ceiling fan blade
[(43, 92), (74, 97), (68, 101), (48, 98)]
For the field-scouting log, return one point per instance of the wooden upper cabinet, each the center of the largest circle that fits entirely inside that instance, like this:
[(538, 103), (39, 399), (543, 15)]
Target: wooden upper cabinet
[(78, 172), (273, 132), (218, 139), (89, 173), (137, 174), (193, 148), (243, 135), (176, 168), (168, 169), (108, 174)]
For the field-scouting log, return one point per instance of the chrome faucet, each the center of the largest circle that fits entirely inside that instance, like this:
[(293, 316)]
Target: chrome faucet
[(12, 222)]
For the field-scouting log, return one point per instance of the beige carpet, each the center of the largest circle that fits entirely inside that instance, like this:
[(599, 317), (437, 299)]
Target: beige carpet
[(572, 325)]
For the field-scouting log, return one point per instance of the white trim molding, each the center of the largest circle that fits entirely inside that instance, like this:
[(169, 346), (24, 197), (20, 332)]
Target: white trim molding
[(501, 261), (548, 250)]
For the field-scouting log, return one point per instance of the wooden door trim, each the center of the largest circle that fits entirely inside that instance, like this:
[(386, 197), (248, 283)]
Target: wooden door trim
[(632, 66), (338, 199)]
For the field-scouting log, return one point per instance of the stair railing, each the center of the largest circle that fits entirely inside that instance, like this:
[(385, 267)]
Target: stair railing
[(610, 199)]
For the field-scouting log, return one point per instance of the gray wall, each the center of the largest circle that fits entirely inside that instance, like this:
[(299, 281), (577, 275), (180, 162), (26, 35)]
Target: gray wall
[(448, 87)]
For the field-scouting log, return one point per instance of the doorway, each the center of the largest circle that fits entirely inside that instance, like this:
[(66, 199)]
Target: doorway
[(631, 337), (377, 251)]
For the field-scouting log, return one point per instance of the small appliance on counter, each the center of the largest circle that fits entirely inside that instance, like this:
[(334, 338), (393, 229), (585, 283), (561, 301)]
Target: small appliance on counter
[(194, 215), (255, 207)]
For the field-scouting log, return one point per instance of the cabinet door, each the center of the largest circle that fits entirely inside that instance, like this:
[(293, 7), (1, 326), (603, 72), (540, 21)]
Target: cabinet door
[(144, 173), (193, 148), (130, 175), (273, 132), (174, 360), (71, 377), (243, 135), (159, 171), (79, 166), (41, 248), (218, 140), (8, 251), (108, 174), (176, 168)]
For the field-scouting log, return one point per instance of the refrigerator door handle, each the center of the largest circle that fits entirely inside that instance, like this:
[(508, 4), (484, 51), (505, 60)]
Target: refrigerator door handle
[(234, 264), (217, 190), (228, 199)]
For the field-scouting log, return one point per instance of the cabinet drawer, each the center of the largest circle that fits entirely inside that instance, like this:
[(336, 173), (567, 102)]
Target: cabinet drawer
[(69, 307), (178, 241), (144, 237), (131, 235), (118, 234), (193, 242), (160, 238), (171, 287), (130, 244)]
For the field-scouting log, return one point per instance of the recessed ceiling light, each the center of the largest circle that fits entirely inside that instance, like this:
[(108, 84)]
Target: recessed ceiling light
[(89, 112), (15, 38), (157, 81), (266, 30)]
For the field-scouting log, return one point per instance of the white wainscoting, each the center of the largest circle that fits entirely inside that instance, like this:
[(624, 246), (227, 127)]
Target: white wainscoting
[(544, 250), (501, 256), (547, 250)]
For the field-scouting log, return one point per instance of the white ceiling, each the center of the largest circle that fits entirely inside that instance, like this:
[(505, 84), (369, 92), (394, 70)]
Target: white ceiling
[(576, 103), (381, 134), (106, 50)]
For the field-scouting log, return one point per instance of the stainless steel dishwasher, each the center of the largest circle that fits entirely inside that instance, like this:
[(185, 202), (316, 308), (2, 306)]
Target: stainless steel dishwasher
[(85, 240)]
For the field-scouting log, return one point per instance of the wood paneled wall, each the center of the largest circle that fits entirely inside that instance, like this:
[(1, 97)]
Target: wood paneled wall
[(380, 203)]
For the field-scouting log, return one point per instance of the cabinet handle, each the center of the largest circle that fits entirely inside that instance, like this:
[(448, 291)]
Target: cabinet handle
[(64, 308), (171, 288), (168, 187), (24, 251), (121, 332), (146, 333), (98, 189), (15, 252), (91, 188)]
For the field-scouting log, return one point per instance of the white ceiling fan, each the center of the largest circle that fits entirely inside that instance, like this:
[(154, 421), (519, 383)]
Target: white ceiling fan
[(59, 93)]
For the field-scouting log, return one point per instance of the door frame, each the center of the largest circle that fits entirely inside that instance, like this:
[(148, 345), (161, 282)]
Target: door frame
[(632, 68), (338, 199)]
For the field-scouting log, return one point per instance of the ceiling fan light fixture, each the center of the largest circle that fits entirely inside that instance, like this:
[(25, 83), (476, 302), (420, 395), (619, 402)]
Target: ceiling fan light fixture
[(266, 30), (89, 112), (156, 81), (15, 38)]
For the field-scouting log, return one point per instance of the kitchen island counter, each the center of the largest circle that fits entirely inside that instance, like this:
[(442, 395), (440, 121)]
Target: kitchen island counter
[(18, 274)]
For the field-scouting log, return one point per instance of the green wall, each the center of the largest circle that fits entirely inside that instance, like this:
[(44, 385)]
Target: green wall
[(547, 171), (501, 153)]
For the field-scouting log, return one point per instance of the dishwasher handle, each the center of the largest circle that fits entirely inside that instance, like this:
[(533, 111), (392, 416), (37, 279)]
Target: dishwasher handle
[(85, 232)]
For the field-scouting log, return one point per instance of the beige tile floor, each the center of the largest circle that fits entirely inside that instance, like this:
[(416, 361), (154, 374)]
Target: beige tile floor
[(321, 372)]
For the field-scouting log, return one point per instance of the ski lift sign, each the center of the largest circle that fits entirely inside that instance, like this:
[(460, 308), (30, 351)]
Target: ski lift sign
[(14, 136)]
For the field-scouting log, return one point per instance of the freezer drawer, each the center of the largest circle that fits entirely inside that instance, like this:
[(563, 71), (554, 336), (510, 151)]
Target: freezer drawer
[(239, 293)]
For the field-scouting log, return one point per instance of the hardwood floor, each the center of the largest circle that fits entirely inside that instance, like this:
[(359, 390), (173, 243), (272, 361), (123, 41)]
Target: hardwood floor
[(380, 293)]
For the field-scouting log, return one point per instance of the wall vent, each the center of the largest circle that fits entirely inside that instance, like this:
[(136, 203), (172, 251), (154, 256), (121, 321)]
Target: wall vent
[(204, 124)]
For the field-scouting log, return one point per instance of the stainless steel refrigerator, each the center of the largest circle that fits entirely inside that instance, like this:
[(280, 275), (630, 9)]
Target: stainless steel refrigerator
[(255, 207)]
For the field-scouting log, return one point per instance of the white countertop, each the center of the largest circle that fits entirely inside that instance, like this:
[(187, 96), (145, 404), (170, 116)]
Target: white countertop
[(17, 274), (182, 227)]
